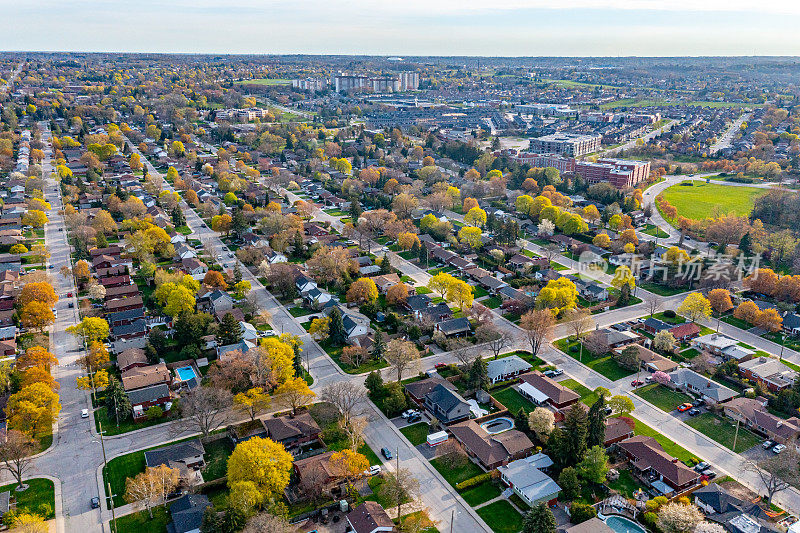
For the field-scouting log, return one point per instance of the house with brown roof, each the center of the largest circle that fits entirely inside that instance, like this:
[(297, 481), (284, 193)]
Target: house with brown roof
[(685, 332), (145, 376), (315, 474), (664, 473), (617, 430), (292, 431), (491, 449), (386, 281), (753, 414), (651, 361), (370, 517), (417, 390), (131, 358), (124, 304), (543, 390)]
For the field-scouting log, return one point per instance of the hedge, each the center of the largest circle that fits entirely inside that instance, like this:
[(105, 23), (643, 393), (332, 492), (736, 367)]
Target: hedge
[(473, 481)]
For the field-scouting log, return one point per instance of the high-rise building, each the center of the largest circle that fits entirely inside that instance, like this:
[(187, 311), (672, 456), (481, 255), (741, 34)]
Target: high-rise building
[(566, 144), (409, 80)]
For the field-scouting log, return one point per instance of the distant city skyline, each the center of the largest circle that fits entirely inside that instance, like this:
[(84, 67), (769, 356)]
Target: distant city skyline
[(413, 27)]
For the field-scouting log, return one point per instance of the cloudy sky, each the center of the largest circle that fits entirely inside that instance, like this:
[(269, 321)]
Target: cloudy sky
[(407, 27)]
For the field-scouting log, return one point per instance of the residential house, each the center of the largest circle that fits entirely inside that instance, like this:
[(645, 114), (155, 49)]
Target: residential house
[(434, 313), (753, 413), (417, 302), (145, 376), (543, 390), (146, 397), (791, 323), (386, 281), (654, 325), (133, 330), (617, 430), (709, 390), (188, 457), (651, 361), (446, 404), (593, 525), (529, 482), (661, 471), (506, 368), (187, 513), (732, 513), (316, 475), (292, 431), (194, 267), (131, 358), (685, 332), (714, 343), (769, 372), (417, 390), (370, 517), (612, 338), (124, 304), (454, 327), (491, 450), (122, 318)]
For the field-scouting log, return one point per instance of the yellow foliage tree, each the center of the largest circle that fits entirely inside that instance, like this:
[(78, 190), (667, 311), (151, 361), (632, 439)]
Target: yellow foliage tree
[(263, 462)]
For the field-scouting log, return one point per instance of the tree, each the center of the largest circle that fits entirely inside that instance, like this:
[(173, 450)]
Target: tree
[(475, 217), (538, 325), (252, 402), (576, 428), (399, 486), (401, 355), (16, 454), (709, 527), (539, 520), (34, 218), (397, 294), (97, 291), (777, 472), (118, 404), (623, 277), (263, 462), (747, 311), (570, 483), (204, 409), (471, 236), (346, 396), (295, 393), (33, 409), (268, 522), (597, 422), (676, 517), (215, 279), (664, 341), (594, 466), (361, 291), (180, 302), (39, 291), (320, 327), (581, 512), (461, 293), (541, 421), (720, 300), (478, 375), (495, 338), (230, 330), (695, 307), (28, 523), (36, 315), (348, 464), (90, 329), (355, 431), (621, 404), (235, 373), (558, 295), (151, 487), (652, 302), (36, 357)]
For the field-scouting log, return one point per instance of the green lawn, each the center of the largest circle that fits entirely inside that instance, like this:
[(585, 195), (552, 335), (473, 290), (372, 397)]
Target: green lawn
[(513, 400), (301, 311), (587, 396), (501, 517), (609, 368), (416, 433), (142, 523), (459, 475), (626, 484), (492, 302), (40, 492), (661, 290), (662, 397), (216, 457), (675, 450), (700, 200), (723, 431), (481, 493)]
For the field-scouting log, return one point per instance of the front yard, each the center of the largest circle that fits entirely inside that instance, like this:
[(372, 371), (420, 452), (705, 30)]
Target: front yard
[(723, 431), (663, 397), (501, 517), (40, 492), (416, 434)]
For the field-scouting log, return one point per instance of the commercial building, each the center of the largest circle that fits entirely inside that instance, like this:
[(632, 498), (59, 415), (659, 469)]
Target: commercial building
[(566, 144), (621, 173)]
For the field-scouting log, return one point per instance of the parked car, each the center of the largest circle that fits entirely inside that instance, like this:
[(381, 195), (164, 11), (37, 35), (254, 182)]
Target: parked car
[(84, 413), (710, 474), (767, 444), (702, 465), (694, 411), (95, 502), (637, 383), (649, 379), (374, 470), (416, 417), (386, 454), (408, 413), (70, 305), (684, 407), (558, 371), (439, 366), (778, 448), (698, 403)]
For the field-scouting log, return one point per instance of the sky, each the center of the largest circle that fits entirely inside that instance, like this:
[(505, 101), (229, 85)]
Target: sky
[(406, 27)]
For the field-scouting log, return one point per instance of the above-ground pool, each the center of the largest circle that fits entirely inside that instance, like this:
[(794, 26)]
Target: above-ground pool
[(185, 373), (498, 425), (621, 524)]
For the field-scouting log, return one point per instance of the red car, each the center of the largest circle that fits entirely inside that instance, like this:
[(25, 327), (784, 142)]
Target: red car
[(637, 383), (438, 366), (684, 407), (69, 295)]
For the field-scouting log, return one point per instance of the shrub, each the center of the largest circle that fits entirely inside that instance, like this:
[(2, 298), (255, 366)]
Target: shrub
[(581, 512), (473, 481), (669, 313), (650, 520)]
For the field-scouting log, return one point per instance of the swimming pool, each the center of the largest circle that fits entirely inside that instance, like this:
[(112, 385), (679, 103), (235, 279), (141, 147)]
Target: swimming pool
[(185, 373), (498, 425), (622, 525)]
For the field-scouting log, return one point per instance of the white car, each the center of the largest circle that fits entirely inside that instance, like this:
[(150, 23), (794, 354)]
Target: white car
[(408, 413), (84, 413), (374, 470), (778, 448)]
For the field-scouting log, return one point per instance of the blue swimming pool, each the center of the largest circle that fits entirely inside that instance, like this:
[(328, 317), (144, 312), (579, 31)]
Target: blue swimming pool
[(498, 425), (622, 525), (185, 373)]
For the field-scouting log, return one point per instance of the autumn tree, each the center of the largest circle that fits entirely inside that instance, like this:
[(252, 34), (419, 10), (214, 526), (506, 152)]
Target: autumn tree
[(295, 393), (320, 327), (151, 487), (39, 291), (362, 290), (36, 357), (695, 307), (348, 464), (90, 329), (397, 294), (33, 409), (263, 462), (677, 517), (252, 402), (16, 454), (558, 295), (747, 311), (36, 315), (215, 279)]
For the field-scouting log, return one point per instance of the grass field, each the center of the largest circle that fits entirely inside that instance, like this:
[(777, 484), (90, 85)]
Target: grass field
[(142, 523), (417, 433), (501, 517), (481, 493), (701, 200), (40, 493), (513, 400), (454, 476), (662, 397), (723, 431), (587, 395)]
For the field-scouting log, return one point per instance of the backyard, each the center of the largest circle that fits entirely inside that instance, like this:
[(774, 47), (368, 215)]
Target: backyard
[(501, 517)]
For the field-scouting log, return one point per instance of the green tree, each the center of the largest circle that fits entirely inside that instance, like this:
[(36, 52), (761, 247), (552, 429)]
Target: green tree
[(570, 483), (539, 520), (597, 423), (118, 406), (594, 466), (230, 331), (337, 332), (576, 428), (478, 374)]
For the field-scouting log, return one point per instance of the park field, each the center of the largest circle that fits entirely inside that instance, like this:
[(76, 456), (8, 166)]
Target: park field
[(700, 200)]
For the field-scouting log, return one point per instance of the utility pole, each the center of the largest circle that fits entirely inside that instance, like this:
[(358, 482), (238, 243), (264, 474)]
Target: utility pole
[(736, 435), (397, 475), (452, 519), (105, 463)]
